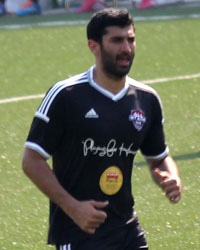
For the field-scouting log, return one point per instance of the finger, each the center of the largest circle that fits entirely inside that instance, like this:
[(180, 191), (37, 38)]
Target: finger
[(100, 216), (95, 224), (96, 221), (90, 230), (91, 226), (169, 184), (174, 195), (175, 199), (172, 192), (99, 204)]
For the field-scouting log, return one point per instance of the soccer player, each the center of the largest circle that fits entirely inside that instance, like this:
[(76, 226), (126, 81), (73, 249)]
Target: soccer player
[(92, 125)]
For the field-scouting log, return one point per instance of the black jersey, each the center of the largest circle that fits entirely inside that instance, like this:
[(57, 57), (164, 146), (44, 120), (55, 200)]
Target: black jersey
[(93, 136)]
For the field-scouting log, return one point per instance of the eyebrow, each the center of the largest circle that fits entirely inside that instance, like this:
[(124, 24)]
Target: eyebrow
[(118, 37)]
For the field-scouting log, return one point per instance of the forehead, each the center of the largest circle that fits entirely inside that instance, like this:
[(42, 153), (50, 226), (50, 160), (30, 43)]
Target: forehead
[(116, 31)]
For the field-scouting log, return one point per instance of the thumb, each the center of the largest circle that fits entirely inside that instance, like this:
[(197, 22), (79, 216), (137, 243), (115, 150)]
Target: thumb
[(99, 204), (160, 174)]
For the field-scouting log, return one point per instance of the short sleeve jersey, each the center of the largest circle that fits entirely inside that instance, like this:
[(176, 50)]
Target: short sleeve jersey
[(92, 136)]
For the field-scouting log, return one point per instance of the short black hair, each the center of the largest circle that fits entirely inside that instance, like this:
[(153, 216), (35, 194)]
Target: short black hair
[(96, 27)]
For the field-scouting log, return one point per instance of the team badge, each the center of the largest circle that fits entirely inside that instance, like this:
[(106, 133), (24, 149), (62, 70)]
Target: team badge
[(111, 180), (138, 118)]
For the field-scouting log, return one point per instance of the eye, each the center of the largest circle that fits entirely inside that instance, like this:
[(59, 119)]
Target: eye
[(117, 39), (131, 39)]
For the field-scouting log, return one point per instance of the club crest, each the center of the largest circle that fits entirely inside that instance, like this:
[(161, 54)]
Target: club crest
[(138, 118)]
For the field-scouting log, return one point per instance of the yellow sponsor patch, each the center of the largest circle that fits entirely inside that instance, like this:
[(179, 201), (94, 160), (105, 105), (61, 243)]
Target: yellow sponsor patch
[(111, 180)]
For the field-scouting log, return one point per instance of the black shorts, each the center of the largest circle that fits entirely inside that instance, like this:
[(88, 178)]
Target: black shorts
[(129, 237)]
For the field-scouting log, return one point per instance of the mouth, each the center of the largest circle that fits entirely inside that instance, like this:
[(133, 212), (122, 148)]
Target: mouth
[(123, 60)]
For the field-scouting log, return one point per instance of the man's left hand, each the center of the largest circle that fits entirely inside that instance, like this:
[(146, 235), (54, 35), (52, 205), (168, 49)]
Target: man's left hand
[(171, 185)]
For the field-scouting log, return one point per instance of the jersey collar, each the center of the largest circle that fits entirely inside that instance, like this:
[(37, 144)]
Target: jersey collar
[(114, 97)]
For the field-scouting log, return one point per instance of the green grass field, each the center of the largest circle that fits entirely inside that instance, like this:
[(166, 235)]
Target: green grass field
[(33, 59)]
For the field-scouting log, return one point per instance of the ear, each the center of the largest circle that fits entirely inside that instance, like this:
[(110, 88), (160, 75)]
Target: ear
[(94, 47)]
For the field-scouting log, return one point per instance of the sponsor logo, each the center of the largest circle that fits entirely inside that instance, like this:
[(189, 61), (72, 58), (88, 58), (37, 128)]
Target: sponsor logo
[(111, 176), (91, 114), (111, 180), (89, 147), (137, 117)]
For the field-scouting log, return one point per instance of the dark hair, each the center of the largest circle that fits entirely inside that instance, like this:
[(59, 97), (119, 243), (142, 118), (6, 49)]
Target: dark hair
[(96, 28)]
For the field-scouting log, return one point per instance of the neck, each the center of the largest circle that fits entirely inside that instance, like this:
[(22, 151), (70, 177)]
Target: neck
[(112, 84)]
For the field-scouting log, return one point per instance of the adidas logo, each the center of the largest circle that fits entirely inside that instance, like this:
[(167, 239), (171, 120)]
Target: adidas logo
[(91, 114)]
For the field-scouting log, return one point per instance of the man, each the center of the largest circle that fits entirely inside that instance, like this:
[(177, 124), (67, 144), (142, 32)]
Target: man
[(2, 7), (91, 5), (20, 8), (92, 125), (30, 7)]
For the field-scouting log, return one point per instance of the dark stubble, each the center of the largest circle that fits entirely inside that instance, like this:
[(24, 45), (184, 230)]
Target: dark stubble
[(111, 66)]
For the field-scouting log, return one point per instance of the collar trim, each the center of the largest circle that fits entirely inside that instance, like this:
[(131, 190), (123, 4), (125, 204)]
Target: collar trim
[(113, 97)]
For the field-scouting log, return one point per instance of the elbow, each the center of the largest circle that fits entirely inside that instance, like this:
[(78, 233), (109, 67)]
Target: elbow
[(25, 164), (27, 161), (31, 162)]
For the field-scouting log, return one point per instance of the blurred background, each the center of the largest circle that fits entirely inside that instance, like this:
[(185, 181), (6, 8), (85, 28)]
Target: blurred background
[(29, 7)]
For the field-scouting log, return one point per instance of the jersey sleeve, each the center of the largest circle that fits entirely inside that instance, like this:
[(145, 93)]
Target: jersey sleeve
[(154, 146), (48, 126)]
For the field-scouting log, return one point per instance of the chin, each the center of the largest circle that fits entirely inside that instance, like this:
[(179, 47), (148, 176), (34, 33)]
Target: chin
[(117, 72)]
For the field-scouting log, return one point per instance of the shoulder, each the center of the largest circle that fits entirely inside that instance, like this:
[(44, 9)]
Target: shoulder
[(71, 81), (141, 86), (146, 89), (67, 83), (56, 93)]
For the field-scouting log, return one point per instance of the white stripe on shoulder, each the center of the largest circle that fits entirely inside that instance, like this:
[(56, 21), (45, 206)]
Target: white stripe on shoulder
[(55, 90), (144, 87), (141, 86), (42, 116), (37, 148)]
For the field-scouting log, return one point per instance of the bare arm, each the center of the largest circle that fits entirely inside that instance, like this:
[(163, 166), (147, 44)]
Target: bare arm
[(85, 214), (165, 173)]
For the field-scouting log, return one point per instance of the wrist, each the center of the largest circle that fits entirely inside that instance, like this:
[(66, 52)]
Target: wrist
[(68, 204)]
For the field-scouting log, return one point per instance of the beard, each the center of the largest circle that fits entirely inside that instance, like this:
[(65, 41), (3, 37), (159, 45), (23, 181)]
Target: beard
[(112, 66)]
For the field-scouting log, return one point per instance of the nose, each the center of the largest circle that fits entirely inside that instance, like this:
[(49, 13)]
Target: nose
[(127, 47)]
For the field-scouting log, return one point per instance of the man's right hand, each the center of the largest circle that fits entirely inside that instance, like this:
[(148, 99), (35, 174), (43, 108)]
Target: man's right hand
[(88, 215)]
